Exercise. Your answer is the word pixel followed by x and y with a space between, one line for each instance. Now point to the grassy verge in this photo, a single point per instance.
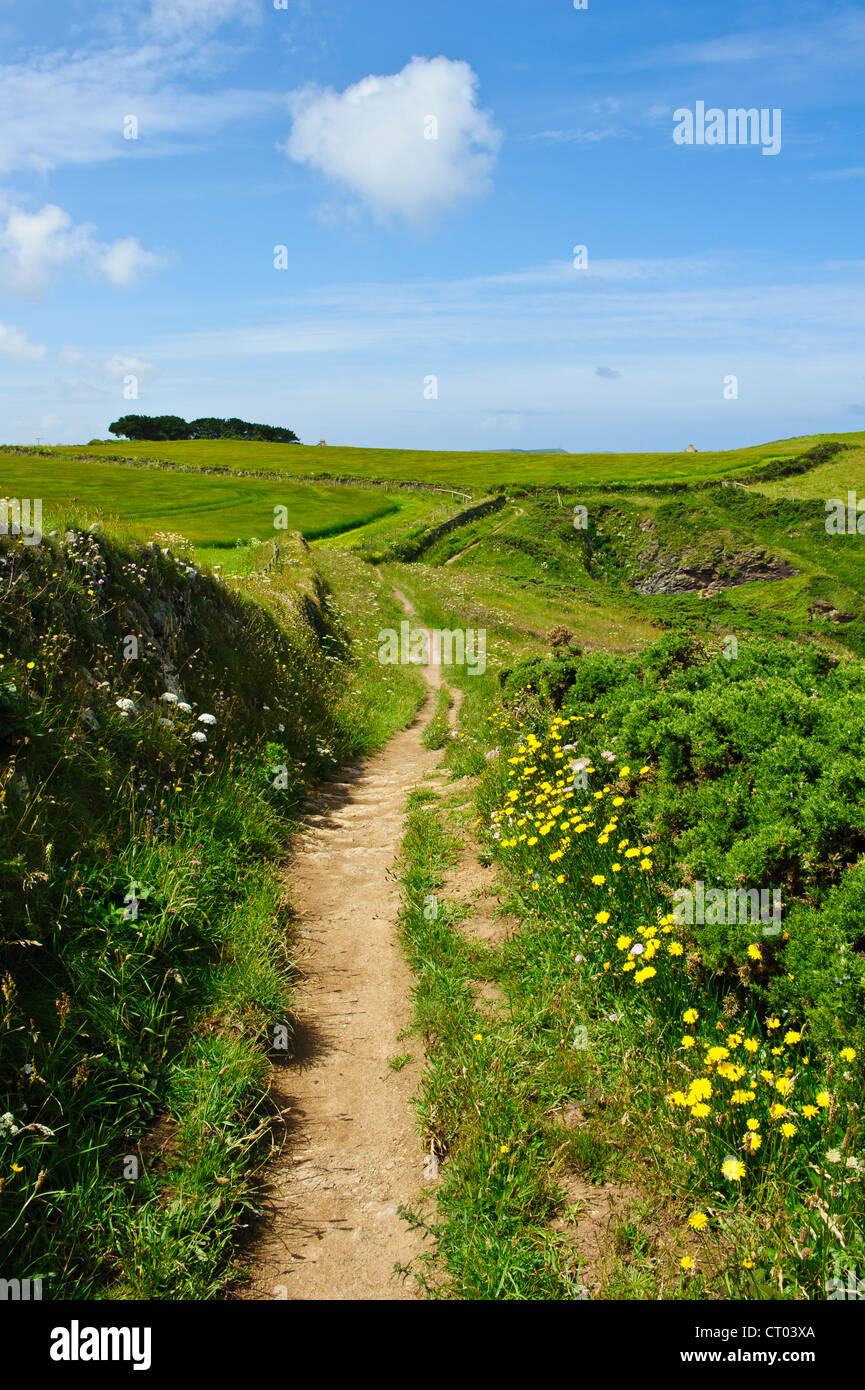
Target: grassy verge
pixel 148 789
pixel 494 1202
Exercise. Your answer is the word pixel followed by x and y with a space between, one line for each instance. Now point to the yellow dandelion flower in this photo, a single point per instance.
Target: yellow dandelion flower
pixel 733 1169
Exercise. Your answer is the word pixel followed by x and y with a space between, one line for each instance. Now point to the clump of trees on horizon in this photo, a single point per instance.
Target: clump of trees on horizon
pixel 159 427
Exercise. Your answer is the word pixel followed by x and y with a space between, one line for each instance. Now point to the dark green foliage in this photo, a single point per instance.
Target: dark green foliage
pixel 802 463
pixel 758 783
pixel 166 427
pixel 155 427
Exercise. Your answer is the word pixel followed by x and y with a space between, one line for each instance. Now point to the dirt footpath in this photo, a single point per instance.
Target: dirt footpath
pixel 352 1154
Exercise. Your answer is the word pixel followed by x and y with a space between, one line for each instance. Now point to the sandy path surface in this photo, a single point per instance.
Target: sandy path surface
pixel 352 1154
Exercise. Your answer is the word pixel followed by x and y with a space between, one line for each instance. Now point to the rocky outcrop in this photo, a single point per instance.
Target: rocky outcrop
pixel 678 575
pixel 822 608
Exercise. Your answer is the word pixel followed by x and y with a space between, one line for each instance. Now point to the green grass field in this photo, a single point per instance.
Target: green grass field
pixel 207 510
pixel 476 471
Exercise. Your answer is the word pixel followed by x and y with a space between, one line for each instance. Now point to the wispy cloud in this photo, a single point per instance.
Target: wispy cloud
pixel 623 309
pixel 69 108
pixel 15 343
pixel 827 40
pixel 856 171
pixel 170 18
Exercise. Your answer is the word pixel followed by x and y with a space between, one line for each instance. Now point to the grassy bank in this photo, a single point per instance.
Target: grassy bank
pixel 159 728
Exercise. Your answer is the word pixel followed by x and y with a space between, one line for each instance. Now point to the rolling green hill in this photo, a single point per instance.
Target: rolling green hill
pixel 477 471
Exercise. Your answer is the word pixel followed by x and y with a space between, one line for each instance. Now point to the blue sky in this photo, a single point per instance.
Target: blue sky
pixel 408 257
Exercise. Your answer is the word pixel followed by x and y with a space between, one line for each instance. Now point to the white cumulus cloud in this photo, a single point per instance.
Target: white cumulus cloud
pixel 413 144
pixel 15 343
pixel 35 245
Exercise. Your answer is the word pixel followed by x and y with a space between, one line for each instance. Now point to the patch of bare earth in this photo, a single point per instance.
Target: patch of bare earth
pixel 351 1155
pixel 594 1211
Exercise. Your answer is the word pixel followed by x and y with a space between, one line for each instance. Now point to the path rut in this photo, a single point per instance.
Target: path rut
pixel 351 1155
